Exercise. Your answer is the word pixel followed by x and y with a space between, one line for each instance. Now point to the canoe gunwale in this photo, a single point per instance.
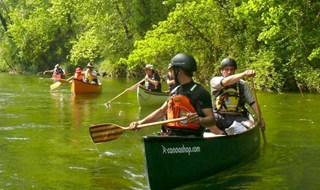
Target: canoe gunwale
pixel 180 138
pixel 154 93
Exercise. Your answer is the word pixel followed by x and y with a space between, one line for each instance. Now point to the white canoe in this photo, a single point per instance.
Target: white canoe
pixel 147 98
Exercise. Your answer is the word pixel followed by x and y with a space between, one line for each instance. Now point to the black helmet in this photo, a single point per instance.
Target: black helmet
pixel 185 62
pixel 228 62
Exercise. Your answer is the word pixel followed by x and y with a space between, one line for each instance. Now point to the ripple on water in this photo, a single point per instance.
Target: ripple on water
pixel 4 99
pixel 107 153
pixel 17 138
pixel 11 116
pixel 77 168
pixel 24 126
pixel 133 175
pixel 136 178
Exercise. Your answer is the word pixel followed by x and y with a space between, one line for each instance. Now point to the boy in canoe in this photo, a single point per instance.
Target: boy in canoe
pixel 151 81
pixel 188 99
pixel 57 73
pixel 78 75
pixel 230 94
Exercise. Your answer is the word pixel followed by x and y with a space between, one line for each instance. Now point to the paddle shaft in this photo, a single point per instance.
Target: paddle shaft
pixel 160 122
pixel 108 132
pixel 125 91
pixel 259 111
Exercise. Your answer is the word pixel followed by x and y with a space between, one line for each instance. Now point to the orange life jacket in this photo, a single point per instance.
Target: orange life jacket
pixel 79 77
pixel 179 106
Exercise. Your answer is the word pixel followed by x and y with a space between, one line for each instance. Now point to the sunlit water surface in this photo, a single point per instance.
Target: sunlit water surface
pixel 45 143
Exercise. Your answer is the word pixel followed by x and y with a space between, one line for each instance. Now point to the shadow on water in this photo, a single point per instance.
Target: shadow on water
pixel 241 176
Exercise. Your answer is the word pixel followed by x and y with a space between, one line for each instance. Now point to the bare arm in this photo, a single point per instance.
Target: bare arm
pixel 236 77
pixel 170 82
pixel 48 71
pixel 154 82
pixel 206 121
pixel 154 116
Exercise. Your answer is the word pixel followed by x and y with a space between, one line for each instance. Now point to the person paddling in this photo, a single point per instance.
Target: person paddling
pixel 151 81
pixel 78 75
pixel 90 75
pixel 230 94
pixel 57 73
pixel 187 99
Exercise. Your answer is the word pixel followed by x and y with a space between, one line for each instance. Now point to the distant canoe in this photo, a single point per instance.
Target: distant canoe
pixel 57 77
pixel 147 98
pixel 175 161
pixel 79 87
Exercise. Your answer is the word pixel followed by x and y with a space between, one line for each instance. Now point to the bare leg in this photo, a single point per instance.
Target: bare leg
pixel 248 123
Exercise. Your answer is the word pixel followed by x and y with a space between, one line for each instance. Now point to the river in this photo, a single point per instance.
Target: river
pixel 45 143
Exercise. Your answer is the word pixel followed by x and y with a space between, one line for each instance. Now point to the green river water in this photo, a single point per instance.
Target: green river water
pixel 45 143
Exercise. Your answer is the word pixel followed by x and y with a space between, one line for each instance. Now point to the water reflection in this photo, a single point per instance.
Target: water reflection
pixel 58 99
pixel 82 108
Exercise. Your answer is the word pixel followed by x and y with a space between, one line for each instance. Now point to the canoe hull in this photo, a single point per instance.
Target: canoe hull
pixel 57 77
pixel 175 161
pixel 147 98
pixel 79 87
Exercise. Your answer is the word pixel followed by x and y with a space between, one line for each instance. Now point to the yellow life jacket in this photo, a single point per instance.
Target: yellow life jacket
pixel 230 99
pixel 88 76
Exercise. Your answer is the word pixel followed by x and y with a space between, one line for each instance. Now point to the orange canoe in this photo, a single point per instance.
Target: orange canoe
pixel 79 87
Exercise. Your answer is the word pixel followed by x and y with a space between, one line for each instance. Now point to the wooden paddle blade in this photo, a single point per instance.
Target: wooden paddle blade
pixel 55 85
pixel 105 132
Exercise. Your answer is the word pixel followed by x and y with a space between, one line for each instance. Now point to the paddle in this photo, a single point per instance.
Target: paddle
pixel 126 90
pixel 57 84
pixel 108 131
pixel 259 112
pixel 66 80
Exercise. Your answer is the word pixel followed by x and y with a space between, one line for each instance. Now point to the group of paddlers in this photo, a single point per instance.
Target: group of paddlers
pixel 187 98
pixel 231 94
pixel 89 75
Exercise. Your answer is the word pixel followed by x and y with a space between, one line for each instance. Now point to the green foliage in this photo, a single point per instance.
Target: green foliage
pixel 183 31
pixel 277 38
pixel 288 29
pixel 75 32
pixel 85 48
pixel 268 78
pixel 6 51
